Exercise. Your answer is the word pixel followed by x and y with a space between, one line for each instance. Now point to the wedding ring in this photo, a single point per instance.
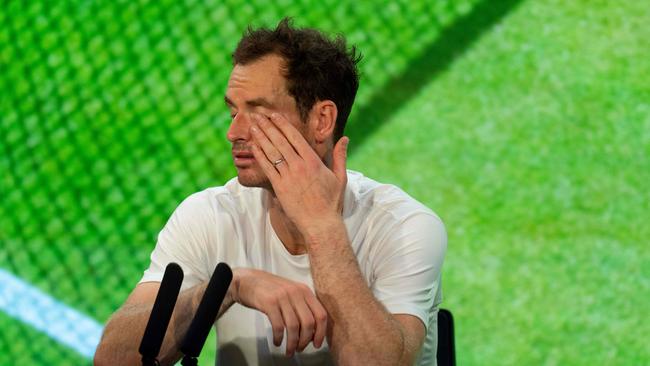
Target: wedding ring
pixel 275 163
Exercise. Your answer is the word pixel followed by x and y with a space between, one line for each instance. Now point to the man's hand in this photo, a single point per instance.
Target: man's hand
pixel 307 189
pixel 287 304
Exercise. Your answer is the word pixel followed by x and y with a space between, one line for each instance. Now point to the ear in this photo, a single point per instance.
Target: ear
pixel 324 114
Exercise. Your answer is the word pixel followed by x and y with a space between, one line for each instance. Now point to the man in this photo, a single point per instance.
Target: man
pixel 330 267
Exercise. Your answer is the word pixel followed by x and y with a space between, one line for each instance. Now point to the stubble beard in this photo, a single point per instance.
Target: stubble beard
pixel 253 177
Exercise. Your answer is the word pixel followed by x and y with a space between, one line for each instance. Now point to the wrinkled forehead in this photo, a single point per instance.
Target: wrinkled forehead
pixel 262 76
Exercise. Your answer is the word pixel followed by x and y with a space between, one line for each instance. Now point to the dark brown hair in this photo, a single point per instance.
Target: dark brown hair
pixel 316 66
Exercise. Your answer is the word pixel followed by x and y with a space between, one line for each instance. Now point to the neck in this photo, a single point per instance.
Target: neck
pixel 284 228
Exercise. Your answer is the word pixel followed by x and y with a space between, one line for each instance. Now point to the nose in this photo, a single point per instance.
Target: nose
pixel 239 128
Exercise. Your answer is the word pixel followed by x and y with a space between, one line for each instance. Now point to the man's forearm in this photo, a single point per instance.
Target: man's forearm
pixel 119 344
pixel 363 331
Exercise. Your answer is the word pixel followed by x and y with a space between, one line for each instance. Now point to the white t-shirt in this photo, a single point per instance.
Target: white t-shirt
pixel 399 244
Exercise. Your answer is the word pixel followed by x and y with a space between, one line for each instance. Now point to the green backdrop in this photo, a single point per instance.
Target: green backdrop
pixel 524 124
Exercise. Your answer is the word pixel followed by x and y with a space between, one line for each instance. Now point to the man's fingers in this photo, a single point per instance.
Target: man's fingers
pixel 307 322
pixel 278 140
pixel 265 164
pixel 339 159
pixel 320 317
pixel 292 325
pixel 290 306
pixel 277 324
pixel 272 154
pixel 294 136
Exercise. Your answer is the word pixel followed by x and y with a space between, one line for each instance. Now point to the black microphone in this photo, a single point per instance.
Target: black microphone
pixel 206 314
pixel 161 313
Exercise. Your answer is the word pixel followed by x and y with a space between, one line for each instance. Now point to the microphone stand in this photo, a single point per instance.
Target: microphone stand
pixel 148 361
pixel 161 313
pixel 206 314
pixel 189 361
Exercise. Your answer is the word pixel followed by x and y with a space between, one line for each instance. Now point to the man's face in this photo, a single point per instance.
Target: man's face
pixel 257 87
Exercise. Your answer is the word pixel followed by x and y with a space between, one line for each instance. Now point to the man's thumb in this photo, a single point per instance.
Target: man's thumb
pixel 340 157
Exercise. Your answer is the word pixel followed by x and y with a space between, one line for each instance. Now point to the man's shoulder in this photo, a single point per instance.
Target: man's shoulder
pixel 366 194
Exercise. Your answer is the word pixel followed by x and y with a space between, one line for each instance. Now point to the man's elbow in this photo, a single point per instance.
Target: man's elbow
pixel 408 359
pixel 104 356
pixel 101 357
pixel 110 353
pixel 380 356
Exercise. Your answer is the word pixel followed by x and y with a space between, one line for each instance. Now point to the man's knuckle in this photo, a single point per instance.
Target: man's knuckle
pixel 321 316
pixel 292 325
pixel 299 169
pixel 271 301
pixel 286 290
pixel 295 291
pixel 309 325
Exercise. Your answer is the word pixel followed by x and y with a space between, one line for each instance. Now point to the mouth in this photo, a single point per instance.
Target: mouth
pixel 243 158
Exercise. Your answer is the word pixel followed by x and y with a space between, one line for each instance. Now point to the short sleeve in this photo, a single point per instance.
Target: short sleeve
pixel 184 240
pixel 408 265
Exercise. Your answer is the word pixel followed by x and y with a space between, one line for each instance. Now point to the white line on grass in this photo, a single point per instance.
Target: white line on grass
pixel 60 322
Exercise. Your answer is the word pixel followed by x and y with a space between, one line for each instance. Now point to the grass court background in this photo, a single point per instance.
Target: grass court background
pixel 524 124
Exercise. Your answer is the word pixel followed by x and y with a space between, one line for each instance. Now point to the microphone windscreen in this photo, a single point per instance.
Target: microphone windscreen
pixel 161 312
pixel 207 311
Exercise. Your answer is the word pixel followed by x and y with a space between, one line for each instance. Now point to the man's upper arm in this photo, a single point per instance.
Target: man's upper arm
pixel 408 276
pixel 186 239
pixel 408 265
pixel 143 293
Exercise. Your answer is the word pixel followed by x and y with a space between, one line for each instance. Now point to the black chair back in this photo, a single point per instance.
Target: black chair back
pixel 446 355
